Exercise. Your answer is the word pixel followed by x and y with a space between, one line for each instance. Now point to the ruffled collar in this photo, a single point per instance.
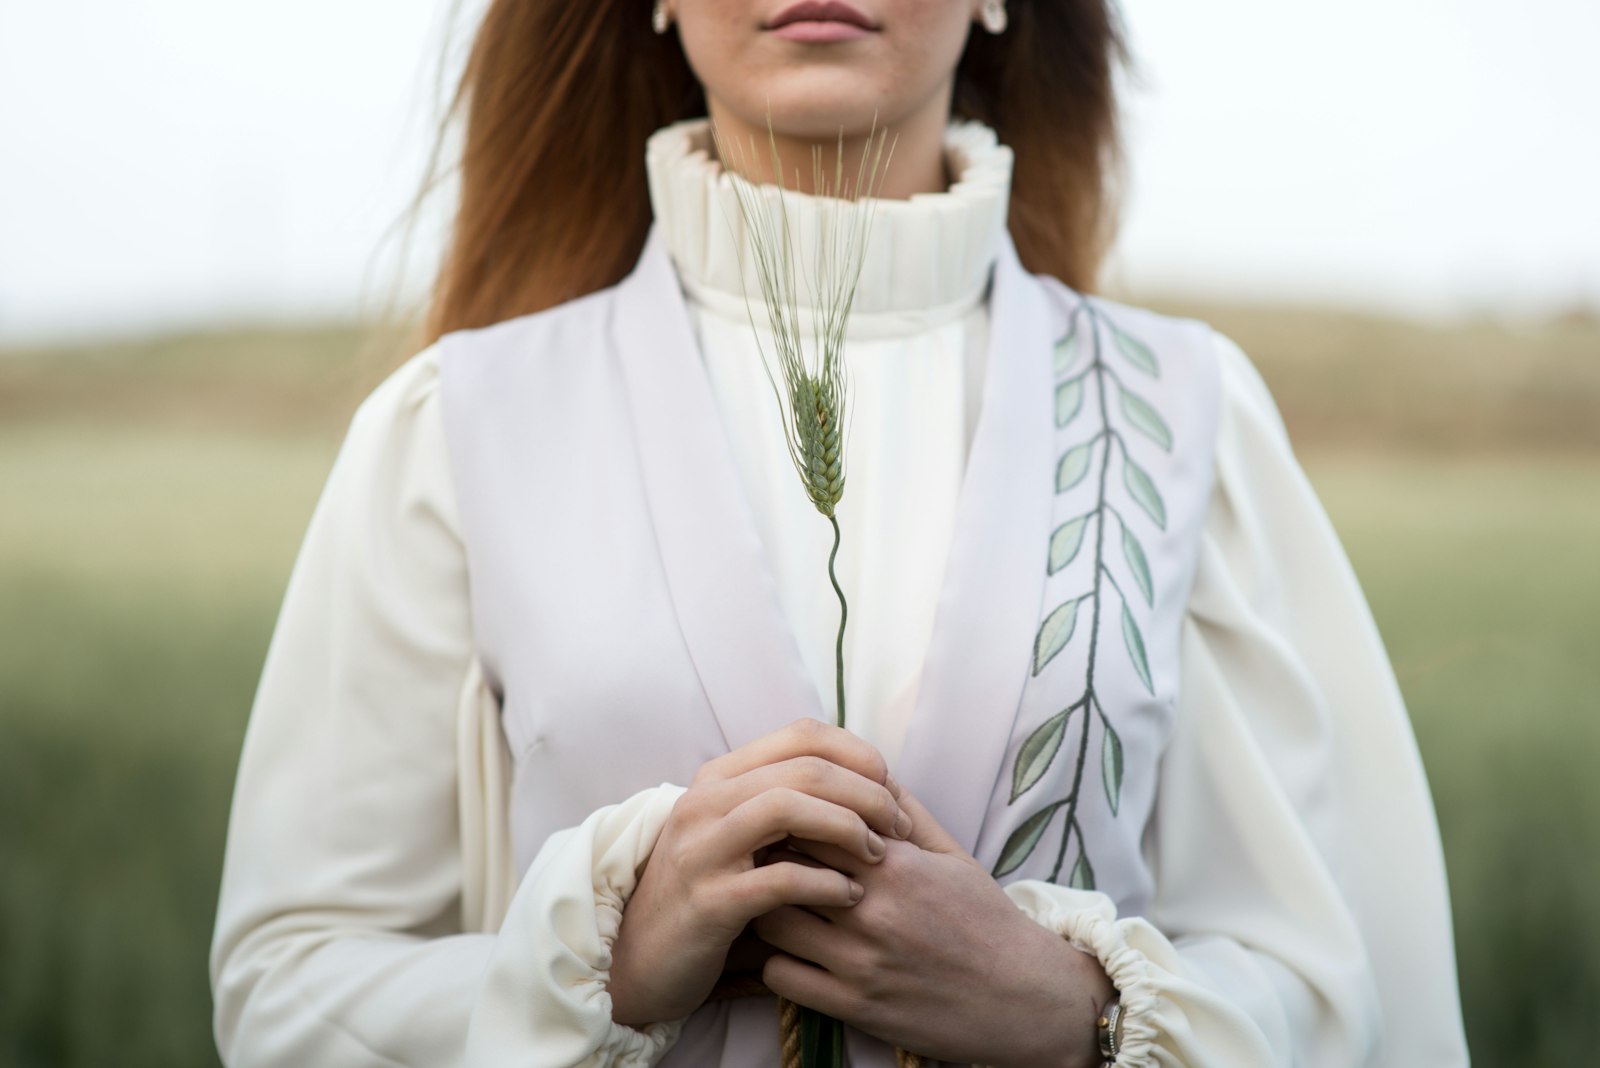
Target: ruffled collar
pixel 928 260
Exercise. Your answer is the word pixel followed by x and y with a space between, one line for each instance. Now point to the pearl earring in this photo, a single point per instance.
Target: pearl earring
pixel 659 18
pixel 994 16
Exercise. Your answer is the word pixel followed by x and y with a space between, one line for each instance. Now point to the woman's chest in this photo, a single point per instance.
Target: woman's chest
pixel 627 608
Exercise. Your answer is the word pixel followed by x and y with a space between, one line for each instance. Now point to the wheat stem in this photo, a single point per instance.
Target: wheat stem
pixel 844 610
pixel 812 402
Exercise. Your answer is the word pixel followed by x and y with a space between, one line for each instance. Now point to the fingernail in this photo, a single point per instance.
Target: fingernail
pixel 889 781
pixel 875 846
pixel 856 890
pixel 902 824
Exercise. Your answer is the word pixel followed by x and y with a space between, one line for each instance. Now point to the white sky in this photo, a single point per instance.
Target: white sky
pixel 178 162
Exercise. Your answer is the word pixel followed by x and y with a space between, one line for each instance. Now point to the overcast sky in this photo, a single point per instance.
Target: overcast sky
pixel 166 163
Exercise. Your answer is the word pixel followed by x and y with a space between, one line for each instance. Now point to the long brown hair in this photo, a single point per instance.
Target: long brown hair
pixel 559 97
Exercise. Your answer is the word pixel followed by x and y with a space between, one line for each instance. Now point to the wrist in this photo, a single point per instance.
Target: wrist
pixel 654 981
pixel 1071 994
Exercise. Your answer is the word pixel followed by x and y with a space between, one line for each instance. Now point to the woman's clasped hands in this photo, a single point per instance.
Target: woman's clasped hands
pixel 707 876
pixel 863 907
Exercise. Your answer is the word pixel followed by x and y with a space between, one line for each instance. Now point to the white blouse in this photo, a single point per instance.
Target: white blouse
pixel 914 355
pixel 376 949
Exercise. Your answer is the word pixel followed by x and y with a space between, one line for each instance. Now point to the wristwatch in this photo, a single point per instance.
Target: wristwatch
pixel 1110 1018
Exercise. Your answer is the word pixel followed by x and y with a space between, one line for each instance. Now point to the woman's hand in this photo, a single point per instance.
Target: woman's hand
pixel 936 959
pixel 709 874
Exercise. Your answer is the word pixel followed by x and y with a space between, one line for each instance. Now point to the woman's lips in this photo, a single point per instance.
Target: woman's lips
pixel 820 21
pixel 819 32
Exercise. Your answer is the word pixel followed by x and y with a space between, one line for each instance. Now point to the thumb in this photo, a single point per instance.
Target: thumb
pixel 925 830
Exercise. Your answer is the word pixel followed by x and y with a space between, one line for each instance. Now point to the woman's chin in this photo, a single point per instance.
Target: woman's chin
pixel 814 105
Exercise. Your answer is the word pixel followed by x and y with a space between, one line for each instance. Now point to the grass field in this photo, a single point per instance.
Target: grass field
pixel 152 496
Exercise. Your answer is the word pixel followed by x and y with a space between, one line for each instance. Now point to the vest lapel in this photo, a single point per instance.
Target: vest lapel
pixel 722 585
pixel 989 607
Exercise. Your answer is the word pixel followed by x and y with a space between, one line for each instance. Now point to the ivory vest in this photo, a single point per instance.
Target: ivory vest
pixel 630 626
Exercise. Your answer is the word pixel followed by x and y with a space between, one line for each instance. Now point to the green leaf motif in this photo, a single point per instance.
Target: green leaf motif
pixel 1145 419
pixel 1111 766
pixel 1082 872
pixel 1135 642
pixel 1023 839
pixel 1133 552
pixel 1065 543
pixel 1138 353
pixel 1073 466
pixel 1054 633
pixel 1143 490
pixel 1067 352
pixel 1069 400
pixel 1037 752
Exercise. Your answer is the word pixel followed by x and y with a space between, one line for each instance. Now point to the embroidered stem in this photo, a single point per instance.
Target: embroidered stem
pixel 1041 747
pixel 1099 370
pixel 838 648
pixel 1066 837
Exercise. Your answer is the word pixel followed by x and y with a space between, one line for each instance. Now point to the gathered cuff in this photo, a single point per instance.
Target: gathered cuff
pixel 546 1001
pixel 1088 920
pixel 623 1046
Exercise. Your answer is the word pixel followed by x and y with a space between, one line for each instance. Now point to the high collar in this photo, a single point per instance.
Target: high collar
pixel 928 258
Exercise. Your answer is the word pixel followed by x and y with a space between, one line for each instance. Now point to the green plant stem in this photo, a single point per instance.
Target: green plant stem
pixel 838 647
pixel 822 1036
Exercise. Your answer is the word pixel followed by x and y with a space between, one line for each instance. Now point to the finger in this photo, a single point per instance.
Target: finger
pixel 804 935
pixel 821 778
pixel 832 913
pixel 774 814
pixel 807 985
pixel 803 737
pixel 927 831
pixel 824 853
pixel 760 890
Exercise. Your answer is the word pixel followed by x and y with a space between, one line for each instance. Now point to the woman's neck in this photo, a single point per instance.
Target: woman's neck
pixel 913 158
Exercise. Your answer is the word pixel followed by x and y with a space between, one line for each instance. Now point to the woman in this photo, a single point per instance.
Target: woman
pixel 540 757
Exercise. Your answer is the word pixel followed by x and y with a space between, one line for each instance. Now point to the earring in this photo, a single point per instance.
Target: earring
pixel 659 18
pixel 994 16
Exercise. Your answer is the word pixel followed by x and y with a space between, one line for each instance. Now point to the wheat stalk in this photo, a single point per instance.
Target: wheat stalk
pixel 813 399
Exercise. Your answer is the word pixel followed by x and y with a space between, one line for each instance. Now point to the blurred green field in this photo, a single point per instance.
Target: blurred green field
pixel 152 496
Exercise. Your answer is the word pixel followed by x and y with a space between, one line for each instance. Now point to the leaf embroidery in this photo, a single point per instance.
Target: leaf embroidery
pixel 1111 766
pixel 1024 838
pixel 1073 466
pixel 1137 353
pixel 1143 490
pixel 1133 552
pixel 1044 744
pixel 1135 643
pixel 1067 351
pixel 1082 873
pixel 1038 751
pixel 1069 400
pixel 1065 542
pixel 1144 418
pixel 1054 633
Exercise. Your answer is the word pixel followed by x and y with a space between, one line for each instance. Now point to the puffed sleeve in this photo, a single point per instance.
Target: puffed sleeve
pixel 353 926
pixel 1300 913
